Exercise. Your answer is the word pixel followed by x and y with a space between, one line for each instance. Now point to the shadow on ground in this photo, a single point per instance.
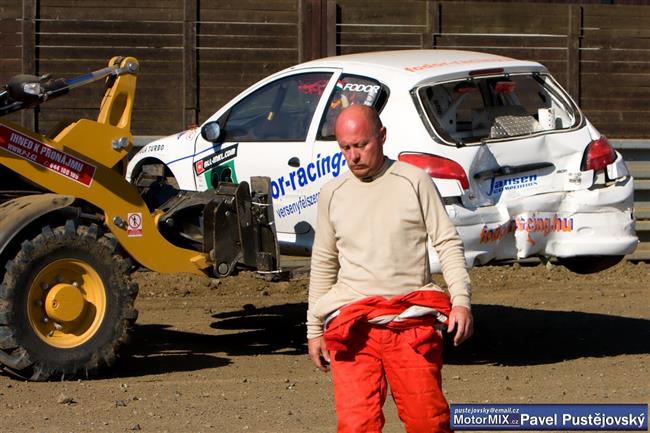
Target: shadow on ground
pixel 519 336
pixel 159 349
pixel 504 336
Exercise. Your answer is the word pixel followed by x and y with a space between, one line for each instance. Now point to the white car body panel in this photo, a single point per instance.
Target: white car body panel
pixel 552 209
pixel 176 152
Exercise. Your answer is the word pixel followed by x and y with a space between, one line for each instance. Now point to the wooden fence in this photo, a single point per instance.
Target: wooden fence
pixel 637 157
pixel 599 53
pixel 195 55
pixel 188 60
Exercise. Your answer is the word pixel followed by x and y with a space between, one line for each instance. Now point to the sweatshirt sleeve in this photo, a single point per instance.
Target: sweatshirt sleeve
pixel 446 242
pixel 324 262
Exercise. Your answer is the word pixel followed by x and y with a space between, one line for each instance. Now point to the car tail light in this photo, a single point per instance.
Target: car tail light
pixel 598 155
pixel 437 166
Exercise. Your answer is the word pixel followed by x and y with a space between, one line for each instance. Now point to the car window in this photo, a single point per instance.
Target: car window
pixel 467 111
pixel 280 111
pixel 350 90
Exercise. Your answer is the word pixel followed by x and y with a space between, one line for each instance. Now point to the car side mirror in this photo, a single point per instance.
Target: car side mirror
pixel 211 131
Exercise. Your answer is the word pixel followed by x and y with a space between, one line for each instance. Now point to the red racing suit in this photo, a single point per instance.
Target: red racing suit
pixel 405 352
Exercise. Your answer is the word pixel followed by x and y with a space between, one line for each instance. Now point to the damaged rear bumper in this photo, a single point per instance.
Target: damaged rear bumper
pixel 597 221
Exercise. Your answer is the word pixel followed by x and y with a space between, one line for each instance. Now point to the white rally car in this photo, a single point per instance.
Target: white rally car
pixel 521 170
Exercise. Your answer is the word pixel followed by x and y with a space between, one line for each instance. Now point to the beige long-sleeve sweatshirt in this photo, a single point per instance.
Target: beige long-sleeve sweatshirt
pixel 371 239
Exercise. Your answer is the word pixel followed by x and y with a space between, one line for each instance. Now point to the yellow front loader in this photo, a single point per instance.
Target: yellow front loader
pixel 72 229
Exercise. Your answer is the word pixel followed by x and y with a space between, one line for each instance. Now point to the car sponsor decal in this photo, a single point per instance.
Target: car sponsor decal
pixel 365 88
pixel 46 156
pixel 497 233
pixel 543 225
pixel 497 186
pixel 453 63
pixel 155 147
pixel 297 206
pixel 215 159
pixel 223 173
pixel 303 176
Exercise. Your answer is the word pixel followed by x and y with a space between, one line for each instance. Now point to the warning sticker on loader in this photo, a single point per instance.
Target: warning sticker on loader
pixel 46 156
pixel 135 224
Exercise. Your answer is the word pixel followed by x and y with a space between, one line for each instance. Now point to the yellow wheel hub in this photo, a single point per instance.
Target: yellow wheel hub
pixel 66 303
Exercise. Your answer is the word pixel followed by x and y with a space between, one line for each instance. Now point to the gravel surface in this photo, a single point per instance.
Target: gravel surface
pixel 230 355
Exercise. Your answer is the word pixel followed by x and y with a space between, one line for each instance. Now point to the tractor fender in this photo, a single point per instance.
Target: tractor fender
pixel 18 213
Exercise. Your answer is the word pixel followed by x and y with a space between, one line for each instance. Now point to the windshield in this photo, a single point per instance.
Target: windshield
pixel 473 110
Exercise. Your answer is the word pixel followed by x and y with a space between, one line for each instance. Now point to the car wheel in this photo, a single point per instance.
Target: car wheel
pixel 156 185
pixel 589 264
pixel 66 304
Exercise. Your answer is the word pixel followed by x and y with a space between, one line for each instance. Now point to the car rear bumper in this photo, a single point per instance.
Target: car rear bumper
pixel 561 224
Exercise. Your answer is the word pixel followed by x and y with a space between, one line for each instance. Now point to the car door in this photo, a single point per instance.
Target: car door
pixel 268 132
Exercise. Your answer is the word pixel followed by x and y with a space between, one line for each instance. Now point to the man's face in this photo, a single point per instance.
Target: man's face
pixel 362 146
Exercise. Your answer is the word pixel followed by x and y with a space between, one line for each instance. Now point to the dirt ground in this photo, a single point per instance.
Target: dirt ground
pixel 230 355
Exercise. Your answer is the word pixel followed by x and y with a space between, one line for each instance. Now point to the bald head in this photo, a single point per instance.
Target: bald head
pixel 355 115
pixel 361 138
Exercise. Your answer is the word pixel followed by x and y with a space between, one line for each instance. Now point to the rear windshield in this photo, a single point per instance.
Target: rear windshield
pixel 477 109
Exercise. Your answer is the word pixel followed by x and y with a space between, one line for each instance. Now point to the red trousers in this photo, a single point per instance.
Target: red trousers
pixel 377 354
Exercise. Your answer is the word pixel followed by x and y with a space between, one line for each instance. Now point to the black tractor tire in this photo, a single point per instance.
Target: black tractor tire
pixel 589 264
pixel 79 262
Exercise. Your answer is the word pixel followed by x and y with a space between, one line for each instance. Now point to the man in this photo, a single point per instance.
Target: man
pixel 371 283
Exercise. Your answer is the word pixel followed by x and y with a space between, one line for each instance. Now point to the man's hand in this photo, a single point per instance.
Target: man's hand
pixel 461 321
pixel 318 353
